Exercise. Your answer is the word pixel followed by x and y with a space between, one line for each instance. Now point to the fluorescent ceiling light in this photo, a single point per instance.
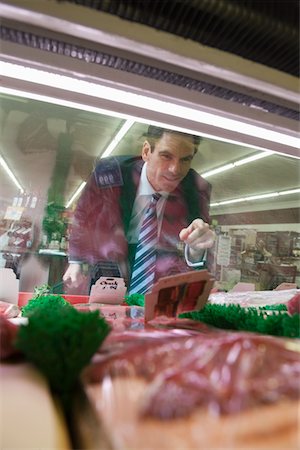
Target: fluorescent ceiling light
pixel 93 109
pixel 128 98
pixel 121 133
pixel 291 191
pixel 237 163
pixel 11 174
pixel 253 158
pixel 217 170
pixel 227 202
pixel 76 193
pixel 256 197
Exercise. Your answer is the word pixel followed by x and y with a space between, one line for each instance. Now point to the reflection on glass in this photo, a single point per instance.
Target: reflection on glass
pixel 50 151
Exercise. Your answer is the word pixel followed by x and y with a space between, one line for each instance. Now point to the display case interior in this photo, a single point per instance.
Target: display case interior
pixel 51 150
pixel 207 358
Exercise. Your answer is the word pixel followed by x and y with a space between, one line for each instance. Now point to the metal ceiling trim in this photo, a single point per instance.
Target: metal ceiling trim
pixel 141 41
pixel 119 63
pixel 227 25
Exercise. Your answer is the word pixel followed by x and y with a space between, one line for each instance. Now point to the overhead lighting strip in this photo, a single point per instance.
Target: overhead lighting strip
pixel 109 149
pixel 76 194
pixel 11 174
pixel 256 197
pixel 237 163
pixel 95 90
pixel 117 138
pixel 97 110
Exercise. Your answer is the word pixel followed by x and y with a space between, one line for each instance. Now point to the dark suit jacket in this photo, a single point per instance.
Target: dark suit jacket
pixel 103 213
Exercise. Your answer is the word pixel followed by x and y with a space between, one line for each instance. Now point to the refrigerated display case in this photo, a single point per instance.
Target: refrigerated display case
pixel 74 72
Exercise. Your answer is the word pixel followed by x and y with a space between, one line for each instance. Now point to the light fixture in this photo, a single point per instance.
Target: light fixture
pixel 227 202
pixel 11 174
pixel 256 197
pixel 76 193
pixel 237 163
pixel 253 158
pixel 291 191
pixel 116 139
pixel 217 170
pixel 92 89
pixel 260 196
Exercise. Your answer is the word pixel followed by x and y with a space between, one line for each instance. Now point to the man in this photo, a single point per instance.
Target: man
pixel 110 212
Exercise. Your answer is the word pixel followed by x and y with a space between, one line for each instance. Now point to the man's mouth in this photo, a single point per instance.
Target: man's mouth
pixel 173 179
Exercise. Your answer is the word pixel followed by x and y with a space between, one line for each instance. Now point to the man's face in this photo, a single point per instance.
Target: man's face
pixel 169 162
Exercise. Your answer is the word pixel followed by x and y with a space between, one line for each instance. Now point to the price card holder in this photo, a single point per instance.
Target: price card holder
pixel 184 292
pixel 109 290
pixel 9 286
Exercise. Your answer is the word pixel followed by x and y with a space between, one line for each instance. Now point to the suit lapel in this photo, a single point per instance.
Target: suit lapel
pixel 131 172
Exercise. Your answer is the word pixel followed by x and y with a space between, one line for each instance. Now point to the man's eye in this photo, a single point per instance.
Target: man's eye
pixel 166 157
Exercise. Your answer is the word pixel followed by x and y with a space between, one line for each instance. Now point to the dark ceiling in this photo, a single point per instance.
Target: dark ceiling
pixel 263 31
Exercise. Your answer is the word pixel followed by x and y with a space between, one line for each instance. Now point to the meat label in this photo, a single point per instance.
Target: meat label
pixel 108 290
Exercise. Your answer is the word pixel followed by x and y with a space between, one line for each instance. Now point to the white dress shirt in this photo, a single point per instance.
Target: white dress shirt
pixel 141 203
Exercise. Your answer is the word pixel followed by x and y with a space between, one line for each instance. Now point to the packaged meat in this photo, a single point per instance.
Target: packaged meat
pixel 8 334
pixel 117 403
pixel 253 298
pixel 180 388
pixel 293 305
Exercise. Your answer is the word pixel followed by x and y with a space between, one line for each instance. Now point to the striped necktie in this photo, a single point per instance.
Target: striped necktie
pixel 145 257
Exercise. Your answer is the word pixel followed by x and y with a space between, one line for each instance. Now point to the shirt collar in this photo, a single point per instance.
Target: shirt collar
pixel 145 188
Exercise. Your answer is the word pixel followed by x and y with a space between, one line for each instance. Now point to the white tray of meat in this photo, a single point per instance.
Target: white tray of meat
pixel 183 389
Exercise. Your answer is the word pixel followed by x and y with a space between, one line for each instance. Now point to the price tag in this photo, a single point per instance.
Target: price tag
pixel 176 294
pixel 108 290
pixel 224 250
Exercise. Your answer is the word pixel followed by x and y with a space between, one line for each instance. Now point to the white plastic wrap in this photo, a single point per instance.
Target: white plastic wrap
pixel 253 298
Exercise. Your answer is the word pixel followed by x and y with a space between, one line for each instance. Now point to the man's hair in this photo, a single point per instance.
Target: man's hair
pixel 155 133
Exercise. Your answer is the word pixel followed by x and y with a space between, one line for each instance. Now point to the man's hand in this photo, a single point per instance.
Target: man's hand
pixel 73 276
pixel 198 236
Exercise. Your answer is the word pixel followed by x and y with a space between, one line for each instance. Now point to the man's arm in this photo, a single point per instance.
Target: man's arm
pixel 80 247
pixel 73 275
pixel 97 229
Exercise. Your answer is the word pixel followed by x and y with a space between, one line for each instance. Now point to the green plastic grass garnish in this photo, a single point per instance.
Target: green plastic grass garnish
pixel 42 300
pixel 60 341
pixel 39 291
pixel 266 320
pixel 135 300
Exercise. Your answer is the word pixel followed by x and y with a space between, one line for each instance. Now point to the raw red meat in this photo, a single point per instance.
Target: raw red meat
pixel 8 334
pixel 224 371
pixel 293 305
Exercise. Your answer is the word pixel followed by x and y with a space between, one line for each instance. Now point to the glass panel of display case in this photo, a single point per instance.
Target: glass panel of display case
pixel 49 152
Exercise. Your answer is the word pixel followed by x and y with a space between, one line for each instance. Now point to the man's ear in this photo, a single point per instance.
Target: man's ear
pixel 146 150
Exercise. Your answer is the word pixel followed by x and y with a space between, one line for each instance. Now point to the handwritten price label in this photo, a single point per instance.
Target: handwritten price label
pixel 108 290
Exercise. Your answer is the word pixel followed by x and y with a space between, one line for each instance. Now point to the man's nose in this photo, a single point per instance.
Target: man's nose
pixel 174 167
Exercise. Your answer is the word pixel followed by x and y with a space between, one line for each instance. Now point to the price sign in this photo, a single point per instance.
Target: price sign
pixel 224 250
pixel 108 290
